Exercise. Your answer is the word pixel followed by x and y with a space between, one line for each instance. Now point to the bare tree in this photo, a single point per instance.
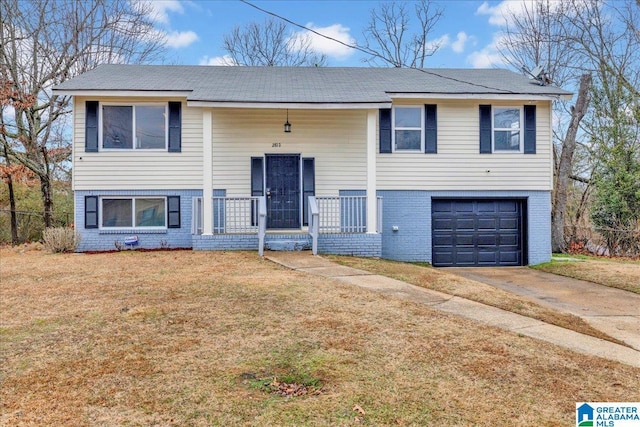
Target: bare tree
pixel 585 44
pixel 45 42
pixel 271 43
pixel 393 41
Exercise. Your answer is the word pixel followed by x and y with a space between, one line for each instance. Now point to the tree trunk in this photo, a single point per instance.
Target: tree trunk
pixel 47 200
pixel 565 164
pixel 12 207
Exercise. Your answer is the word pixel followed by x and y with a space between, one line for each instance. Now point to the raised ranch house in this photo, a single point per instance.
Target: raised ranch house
pixel 448 166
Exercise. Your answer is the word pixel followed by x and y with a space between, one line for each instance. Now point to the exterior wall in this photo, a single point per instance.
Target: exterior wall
pixel 363 245
pixel 458 165
pixel 95 239
pixel 410 211
pixel 337 139
pixel 134 169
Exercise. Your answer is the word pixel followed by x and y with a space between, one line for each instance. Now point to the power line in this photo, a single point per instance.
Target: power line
pixel 367 51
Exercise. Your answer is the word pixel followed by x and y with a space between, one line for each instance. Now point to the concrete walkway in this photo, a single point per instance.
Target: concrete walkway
pixel 612 311
pixel 305 262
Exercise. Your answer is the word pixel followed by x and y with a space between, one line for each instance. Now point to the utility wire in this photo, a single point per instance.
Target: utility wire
pixel 370 52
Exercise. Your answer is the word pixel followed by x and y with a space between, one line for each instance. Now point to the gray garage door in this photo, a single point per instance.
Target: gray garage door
pixel 477 232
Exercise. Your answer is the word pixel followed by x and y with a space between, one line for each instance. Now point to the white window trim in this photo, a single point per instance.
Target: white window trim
pixel 520 129
pixel 133 126
pixel 133 212
pixel 394 128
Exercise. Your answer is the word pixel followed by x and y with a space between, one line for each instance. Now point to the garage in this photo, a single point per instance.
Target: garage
pixel 478 232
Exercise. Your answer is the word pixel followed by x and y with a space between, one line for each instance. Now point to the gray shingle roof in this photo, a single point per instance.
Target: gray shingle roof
pixel 303 84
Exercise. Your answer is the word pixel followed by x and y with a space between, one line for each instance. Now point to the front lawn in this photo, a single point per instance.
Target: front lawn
pixel 187 338
pixel 616 273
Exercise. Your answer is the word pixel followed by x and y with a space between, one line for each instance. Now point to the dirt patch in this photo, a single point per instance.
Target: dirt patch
pixel 163 338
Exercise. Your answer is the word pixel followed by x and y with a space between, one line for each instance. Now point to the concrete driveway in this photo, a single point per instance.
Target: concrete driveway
pixel 613 311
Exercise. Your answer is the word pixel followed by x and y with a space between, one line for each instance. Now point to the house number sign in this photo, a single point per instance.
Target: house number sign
pixel 276 145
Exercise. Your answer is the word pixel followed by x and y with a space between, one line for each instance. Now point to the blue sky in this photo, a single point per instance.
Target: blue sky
pixel 467 31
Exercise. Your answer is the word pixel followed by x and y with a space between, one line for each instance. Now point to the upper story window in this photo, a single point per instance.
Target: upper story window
pixel 408 128
pixel 507 129
pixel 137 127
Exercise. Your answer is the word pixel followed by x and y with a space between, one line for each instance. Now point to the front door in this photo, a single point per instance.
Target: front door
pixel 283 191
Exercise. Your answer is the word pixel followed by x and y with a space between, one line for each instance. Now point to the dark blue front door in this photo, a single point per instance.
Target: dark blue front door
pixel 283 191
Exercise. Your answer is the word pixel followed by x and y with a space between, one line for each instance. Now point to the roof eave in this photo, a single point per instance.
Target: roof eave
pixel 123 93
pixel 480 96
pixel 291 105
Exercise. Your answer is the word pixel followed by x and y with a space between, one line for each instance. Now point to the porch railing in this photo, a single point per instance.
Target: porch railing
pixel 233 215
pixel 314 222
pixel 346 214
pixel 248 215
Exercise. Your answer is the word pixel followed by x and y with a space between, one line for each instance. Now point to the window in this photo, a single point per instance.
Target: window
pixel 407 128
pixel 506 129
pixel 138 127
pixel 133 212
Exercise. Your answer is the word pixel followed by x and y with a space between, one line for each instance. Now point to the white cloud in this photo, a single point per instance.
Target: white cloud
pixel 439 43
pixel 160 9
pixel 488 56
pixel 329 47
pixel 177 39
pixel 461 39
pixel 498 13
pixel 216 60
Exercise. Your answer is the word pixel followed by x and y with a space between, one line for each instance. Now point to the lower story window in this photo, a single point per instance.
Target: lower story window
pixel 134 212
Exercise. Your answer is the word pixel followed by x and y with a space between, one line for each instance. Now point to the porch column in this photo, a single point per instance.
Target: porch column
pixel 372 218
pixel 207 173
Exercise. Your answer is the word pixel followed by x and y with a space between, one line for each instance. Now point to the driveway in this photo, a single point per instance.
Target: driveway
pixel 613 311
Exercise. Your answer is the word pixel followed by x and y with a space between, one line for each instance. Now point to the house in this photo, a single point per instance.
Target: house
pixel 448 166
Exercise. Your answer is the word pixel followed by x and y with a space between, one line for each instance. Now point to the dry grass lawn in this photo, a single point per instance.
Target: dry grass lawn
pixel 439 280
pixel 191 338
pixel 621 274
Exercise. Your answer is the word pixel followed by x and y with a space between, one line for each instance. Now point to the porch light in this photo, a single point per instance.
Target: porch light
pixel 287 125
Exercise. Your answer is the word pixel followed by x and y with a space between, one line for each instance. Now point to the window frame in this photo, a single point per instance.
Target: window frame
pixel 520 129
pixel 133 125
pixel 133 213
pixel 394 128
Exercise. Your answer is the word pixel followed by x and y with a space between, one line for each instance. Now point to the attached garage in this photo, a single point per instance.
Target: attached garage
pixel 478 232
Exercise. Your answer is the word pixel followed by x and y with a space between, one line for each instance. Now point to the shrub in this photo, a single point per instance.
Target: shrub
pixel 60 239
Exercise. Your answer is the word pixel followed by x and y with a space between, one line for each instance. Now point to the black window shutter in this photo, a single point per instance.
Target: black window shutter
pixel 308 186
pixel 91 212
pixel 385 130
pixel 485 129
pixel 257 179
pixel 430 128
pixel 175 127
pixel 529 129
pixel 173 211
pixel 91 127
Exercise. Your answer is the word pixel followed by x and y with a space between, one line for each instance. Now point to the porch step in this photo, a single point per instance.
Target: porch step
pixel 300 242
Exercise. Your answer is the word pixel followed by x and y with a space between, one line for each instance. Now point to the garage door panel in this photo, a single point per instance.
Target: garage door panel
pixel 462 207
pixel 487 240
pixel 486 207
pixel 478 232
pixel 506 206
pixel 509 224
pixel 487 258
pixel 464 240
pixel 487 223
pixel 465 224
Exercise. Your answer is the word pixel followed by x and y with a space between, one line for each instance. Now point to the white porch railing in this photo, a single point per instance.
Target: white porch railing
pixel 346 214
pixel 248 215
pixel 233 215
pixel 314 222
